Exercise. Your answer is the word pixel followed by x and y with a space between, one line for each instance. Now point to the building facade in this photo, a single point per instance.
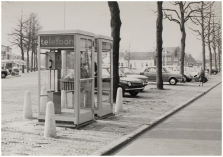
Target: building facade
pixel 6 52
pixel 136 60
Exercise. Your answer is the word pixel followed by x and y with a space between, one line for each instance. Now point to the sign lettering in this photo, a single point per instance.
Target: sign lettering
pixel 57 41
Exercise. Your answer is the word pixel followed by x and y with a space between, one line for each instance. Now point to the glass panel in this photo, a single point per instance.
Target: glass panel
pixel 45 80
pixel 106 75
pixel 86 81
pixel 106 84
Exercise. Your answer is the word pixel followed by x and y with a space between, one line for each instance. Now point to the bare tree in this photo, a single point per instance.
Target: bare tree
pixel 18 37
pixel 115 33
pixel 219 44
pixel 34 40
pixel 28 37
pixel 209 39
pixel 182 17
pixel 200 19
pixel 159 43
pixel 214 44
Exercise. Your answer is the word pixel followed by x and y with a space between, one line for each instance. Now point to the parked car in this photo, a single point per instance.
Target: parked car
pixel 214 71
pixel 5 73
pixel 172 78
pixel 129 73
pixel 176 70
pixel 130 85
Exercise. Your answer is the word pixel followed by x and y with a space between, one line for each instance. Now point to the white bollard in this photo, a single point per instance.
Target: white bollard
pixel 43 99
pixel 27 108
pixel 50 124
pixel 119 101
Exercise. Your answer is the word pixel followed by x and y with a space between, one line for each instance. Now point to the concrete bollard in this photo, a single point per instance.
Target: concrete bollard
pixel 50 124
pixel 43 99
pixel 119 101
pixel 27 108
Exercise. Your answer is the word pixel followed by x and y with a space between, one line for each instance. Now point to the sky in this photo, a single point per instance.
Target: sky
pixel 138 29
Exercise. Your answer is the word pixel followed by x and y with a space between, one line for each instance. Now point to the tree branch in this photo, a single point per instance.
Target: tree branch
pixel 173 11
pixel 169 17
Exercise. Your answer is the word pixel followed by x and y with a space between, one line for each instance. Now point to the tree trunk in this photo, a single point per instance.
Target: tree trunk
pixel 22 53
pixel 203 38
pixel 115 33
pixel 215 58
pixel 219 60
pixel 183 38
pixel 210 56
pixel 27 68
pixel 31 61
pixel 209 43
pixel 159 43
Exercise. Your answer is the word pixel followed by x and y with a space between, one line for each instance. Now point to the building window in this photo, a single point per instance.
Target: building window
pixel 175 59
pixel 122 64
pixel 142 64
pixel 146 64
pixel 169 59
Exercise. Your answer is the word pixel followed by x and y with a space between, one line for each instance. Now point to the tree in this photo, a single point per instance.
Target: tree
pixel 182 17
pixel 28 37
pixel 214 44
pixel 209 40
pixel 219 44
pixel 128 56
pixel 159 43
pixel 200 20
pixel 115 33
pixel 34 40
pixel 18 37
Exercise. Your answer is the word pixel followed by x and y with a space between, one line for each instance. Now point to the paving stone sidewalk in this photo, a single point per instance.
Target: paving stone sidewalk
pixel 25 137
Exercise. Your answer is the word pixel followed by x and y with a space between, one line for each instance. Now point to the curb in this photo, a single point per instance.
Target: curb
pixel 127 138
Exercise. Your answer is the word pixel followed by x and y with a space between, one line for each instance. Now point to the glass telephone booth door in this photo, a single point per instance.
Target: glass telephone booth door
pixel 68 80
pixel 104 76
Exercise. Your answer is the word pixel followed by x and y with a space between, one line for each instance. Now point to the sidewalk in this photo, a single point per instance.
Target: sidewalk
pixel 24 137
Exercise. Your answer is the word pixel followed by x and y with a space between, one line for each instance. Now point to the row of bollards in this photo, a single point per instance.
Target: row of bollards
pixel 50 124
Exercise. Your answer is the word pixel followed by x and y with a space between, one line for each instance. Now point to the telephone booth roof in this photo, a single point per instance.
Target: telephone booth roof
pixel 103 37
pixel 65 32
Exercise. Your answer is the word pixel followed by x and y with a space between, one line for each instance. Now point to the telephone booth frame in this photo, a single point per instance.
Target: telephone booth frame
pixel 104 108
pixel 57 41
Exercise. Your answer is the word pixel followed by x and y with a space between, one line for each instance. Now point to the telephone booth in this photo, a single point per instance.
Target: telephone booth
pixel 68 80
pixel 104 75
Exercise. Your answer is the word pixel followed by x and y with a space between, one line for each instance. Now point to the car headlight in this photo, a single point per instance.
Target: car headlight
pixel 129 83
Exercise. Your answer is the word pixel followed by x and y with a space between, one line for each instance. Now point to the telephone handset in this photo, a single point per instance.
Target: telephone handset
pixel 51 63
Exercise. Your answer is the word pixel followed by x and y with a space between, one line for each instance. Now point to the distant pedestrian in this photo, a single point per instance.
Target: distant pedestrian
pixel 202 77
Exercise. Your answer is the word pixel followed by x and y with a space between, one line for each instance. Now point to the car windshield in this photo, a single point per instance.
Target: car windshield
pixel 127 71
pixel 165 70
pixel 121 73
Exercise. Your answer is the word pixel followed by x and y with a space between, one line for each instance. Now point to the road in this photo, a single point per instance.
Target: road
pixel 195 130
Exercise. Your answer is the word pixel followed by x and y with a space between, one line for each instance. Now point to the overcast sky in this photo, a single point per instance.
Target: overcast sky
pixel 138 30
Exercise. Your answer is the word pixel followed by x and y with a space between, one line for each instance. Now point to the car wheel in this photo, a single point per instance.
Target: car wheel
pixel 3 75
pixel 196 79
pixel 173 81
pixel 214 73
pixel 133 93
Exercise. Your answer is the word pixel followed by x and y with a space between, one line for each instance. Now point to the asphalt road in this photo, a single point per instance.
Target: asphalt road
pixel 195 130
